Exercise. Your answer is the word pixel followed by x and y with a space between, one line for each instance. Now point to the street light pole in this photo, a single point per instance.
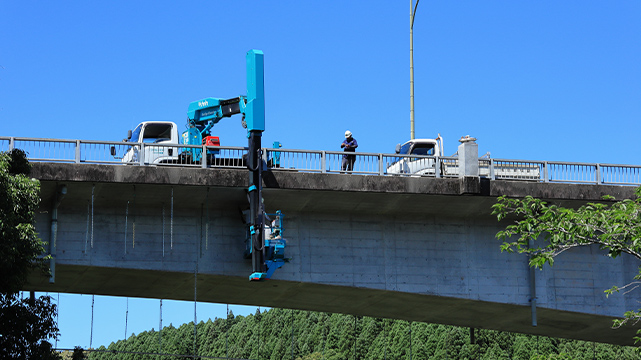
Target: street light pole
pixel 412 13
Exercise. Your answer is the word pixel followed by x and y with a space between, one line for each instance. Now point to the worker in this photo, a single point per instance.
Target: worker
pixel 348 145
pixel 276 230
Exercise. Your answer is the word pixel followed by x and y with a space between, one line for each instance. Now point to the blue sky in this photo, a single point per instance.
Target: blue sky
pixel 113 315
pixel 544 80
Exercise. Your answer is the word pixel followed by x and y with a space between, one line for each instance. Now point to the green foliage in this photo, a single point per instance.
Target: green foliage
pixel 78 354
pixel 19 198
pixel 551 357
pixel 280 334
pixel 614 227
pixel 24 324
pixel 543 231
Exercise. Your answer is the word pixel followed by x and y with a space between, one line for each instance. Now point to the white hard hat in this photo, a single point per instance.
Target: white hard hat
pixel 348 134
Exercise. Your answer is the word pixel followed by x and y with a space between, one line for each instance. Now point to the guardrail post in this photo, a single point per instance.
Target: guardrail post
pixel 203 157
pixel 437 167
pixel 11 143
pixel 492 174
pixel 77 151
pixel 546 167
pixel 380 164
pixel 323 162
pixel 141 156
pixel 598 174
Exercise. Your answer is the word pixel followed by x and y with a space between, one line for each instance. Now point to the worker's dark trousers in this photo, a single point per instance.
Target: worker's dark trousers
pixel 348 163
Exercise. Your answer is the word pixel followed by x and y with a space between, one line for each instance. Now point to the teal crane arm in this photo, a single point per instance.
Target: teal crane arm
pixel 204 114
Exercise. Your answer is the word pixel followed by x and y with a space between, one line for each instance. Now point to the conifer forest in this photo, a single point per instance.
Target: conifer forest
pixel 279 334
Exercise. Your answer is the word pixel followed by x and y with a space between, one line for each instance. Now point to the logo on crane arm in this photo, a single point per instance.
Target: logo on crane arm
pixel 205 113
pixel 203 103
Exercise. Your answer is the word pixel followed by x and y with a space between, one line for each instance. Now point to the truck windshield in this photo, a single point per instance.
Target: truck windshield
pixel 405 149
pixel 423 149
pixel 135 134
pixel 156 133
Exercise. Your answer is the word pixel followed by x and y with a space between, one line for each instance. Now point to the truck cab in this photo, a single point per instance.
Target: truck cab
pixel 419 166
pixel 149 133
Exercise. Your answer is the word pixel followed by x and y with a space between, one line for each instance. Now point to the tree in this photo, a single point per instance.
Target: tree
pixel 25 324
pixel 19 198
pixel 78 354
pixel 379 338
pixel 615 227
pixel 551 357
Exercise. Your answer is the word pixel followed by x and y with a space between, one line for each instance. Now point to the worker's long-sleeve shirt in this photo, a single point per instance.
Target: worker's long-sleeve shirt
pixel 350 146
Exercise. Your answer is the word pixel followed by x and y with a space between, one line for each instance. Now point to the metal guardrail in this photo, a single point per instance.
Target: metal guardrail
pixel 151 154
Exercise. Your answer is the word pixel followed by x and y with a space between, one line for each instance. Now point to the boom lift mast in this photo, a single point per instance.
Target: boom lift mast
pixel 204 114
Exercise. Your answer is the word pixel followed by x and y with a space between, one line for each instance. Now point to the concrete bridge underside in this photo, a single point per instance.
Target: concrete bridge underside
pixel 418 249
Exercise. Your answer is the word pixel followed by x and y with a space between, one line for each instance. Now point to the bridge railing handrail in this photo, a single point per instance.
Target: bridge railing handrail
pixel 328 161
pixel 322 161
pixel 63 140
pixel 107 142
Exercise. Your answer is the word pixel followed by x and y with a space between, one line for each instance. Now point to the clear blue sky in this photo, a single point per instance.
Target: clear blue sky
pixel 113 315
pixel 544 80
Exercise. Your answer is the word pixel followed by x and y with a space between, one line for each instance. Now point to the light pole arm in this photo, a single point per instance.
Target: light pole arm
pixel 413 13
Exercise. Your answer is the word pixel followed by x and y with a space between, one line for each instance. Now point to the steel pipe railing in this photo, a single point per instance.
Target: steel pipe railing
pixel 319 161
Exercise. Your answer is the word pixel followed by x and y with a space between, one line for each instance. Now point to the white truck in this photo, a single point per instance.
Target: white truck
pixel 164 145
pixel 417 165
pixel 431 151
pixel 152 133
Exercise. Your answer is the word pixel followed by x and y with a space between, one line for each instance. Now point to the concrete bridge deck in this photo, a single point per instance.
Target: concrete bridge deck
pixel 419 249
